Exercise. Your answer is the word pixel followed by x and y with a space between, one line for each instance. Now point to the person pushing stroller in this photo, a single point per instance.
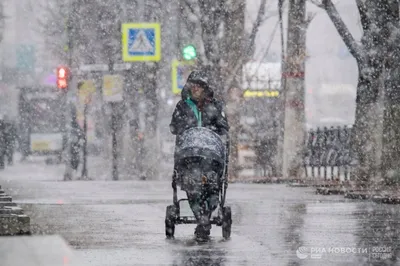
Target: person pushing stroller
pixel 199 108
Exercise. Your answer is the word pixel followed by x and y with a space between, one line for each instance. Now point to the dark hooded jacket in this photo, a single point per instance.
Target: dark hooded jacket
pixel 212 114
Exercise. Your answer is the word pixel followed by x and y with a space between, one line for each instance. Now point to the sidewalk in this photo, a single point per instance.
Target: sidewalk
pixel 380 193
pixel 37 251
pixel 349 189
pixel 35 168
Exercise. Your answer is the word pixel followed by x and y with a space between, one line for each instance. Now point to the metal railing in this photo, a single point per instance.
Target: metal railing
pixel 328 153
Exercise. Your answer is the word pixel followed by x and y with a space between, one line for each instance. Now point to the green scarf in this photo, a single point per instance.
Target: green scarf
pixel 196 112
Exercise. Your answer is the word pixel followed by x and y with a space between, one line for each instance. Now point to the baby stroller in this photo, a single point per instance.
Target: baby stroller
pixel 200 157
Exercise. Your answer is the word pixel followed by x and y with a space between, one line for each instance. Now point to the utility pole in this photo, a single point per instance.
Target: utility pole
pixel 294 120
pixel 281 101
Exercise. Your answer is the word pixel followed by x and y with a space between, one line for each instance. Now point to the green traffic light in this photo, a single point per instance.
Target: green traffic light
pixel 189 52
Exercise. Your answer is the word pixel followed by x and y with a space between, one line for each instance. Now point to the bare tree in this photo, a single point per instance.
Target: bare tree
pixel 215 27
pixel 376 130
pixel 218 27
pixel 96 26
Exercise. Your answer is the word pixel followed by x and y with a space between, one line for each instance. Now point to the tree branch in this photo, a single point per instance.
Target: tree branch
pixel 191 9
pixel 256 26
pixel 317 3
pixel 268 16
pixel 365 22
pixel 310 17
pixel 354 48
pixel 253 34
pixel 201 49
pixel 269 43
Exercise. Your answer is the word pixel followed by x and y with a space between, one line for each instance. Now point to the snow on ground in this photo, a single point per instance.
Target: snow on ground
pixel 120 223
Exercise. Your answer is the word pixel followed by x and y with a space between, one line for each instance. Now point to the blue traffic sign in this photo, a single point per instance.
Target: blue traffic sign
pixel 141 42
pixel 180 73
pixel 26 57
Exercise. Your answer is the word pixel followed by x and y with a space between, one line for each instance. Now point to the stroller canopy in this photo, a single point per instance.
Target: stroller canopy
pixel 200 142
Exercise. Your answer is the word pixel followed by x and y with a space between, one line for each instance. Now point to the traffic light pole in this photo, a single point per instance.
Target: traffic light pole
pixel 84 164
pixel 114 141
pixel 114 130
pixel 68 148
pixel 68 115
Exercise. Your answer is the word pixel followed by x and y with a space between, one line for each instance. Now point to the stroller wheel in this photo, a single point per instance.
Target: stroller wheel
pixel 170 218
pixel 226 222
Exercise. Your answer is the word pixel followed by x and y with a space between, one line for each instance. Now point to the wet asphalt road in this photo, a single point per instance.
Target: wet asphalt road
pixel 122 223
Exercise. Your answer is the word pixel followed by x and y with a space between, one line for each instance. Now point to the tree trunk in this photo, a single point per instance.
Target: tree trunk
pixel 391 143
pixel 294 103
pixel 233 40
pixel 133 101
pixel 235 100
pixel 151 141
pixel 391 122
pixel 377 114
pixel 149 72
pixel 375 138
pixel 367 139
pixel 212 15
pixel 368 126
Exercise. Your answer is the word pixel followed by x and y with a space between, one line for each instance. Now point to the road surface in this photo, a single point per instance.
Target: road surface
pixel 120 223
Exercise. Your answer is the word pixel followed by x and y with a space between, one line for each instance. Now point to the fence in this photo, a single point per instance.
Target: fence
pixel 329 151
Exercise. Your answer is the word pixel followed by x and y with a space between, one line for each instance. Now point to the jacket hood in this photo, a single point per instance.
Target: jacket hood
pixel 185 93
pixel 200 78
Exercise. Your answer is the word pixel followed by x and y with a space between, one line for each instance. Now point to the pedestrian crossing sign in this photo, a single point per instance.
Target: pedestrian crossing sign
pixel 180 73
pixel 141 42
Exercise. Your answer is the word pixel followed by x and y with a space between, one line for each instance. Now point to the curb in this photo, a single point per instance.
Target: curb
pixel 333 190
pixel 271 180
pixel 386 199
pixel 375 196
pixel 298 185
pixel 11 210
pixel 13 221
pixel 364 195
pixel 348 190
pixel 292 182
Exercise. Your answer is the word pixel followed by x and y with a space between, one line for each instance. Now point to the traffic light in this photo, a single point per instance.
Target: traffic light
pixel 62 77
pixel 189 52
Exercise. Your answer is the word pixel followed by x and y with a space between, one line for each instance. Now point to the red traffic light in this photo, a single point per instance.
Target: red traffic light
pixel 62 73
pixel 62 84
pixel 62 77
